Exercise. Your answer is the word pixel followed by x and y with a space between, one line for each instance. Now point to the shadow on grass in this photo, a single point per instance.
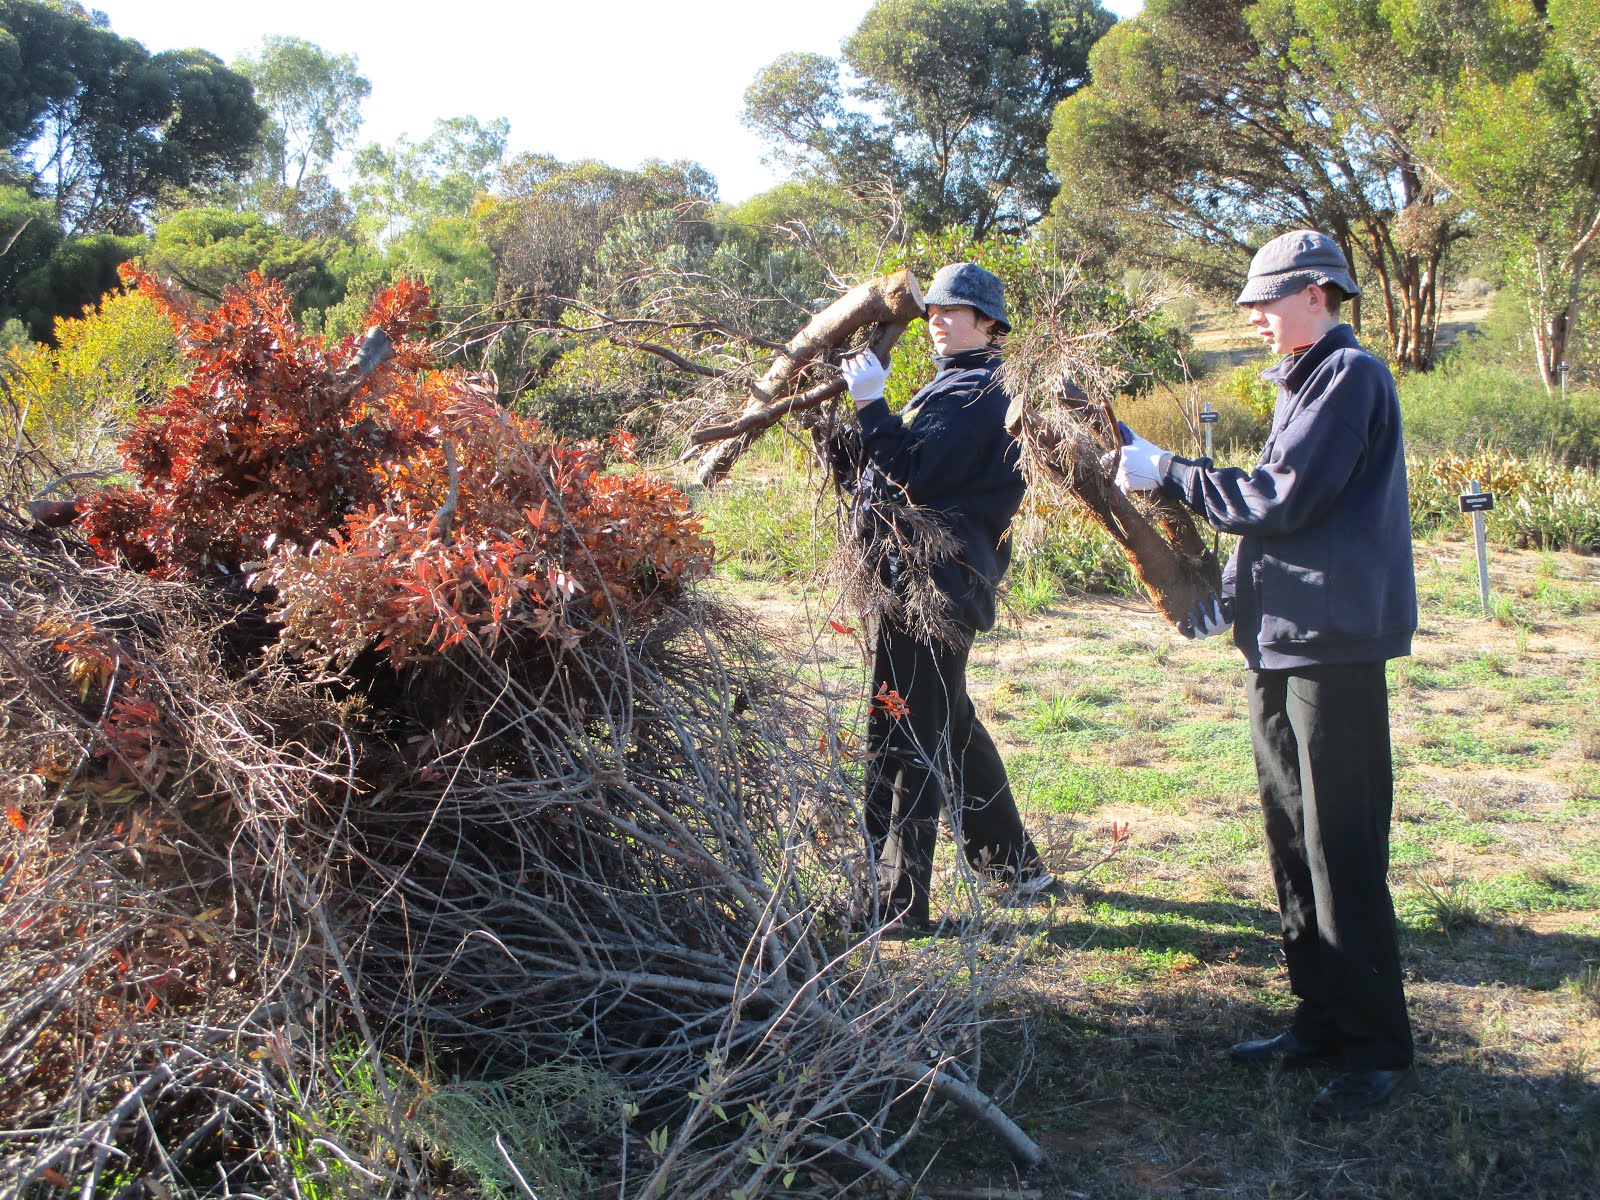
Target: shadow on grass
pixel 1491 951
pixel 1127 1084
pixel 1115 920
pixel 1499 952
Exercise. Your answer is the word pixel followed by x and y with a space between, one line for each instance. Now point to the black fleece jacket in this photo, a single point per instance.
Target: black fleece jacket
pixel 1322 573
pixel 949 451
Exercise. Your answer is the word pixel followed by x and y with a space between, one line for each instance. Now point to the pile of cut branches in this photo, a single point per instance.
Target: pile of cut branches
pixel 435 830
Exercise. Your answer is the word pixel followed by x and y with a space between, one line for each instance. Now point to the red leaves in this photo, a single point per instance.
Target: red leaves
pixel 272 453
pixel 621 445
pixel 544 542
pixel 840 628
pixel 14 815
pixel 890 701
pixel 269 440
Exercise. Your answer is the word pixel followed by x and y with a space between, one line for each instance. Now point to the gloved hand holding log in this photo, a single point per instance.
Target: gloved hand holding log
pixel 1081 448
pixel 888 303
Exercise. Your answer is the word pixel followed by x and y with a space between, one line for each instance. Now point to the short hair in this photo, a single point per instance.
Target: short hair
pixel 1334 296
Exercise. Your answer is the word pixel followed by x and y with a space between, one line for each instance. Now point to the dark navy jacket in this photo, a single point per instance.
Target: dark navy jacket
pixel 949 451
pixel 1322 573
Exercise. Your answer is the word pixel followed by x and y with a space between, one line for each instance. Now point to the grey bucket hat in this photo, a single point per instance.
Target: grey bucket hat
pixel 968 283
pixel 1293 261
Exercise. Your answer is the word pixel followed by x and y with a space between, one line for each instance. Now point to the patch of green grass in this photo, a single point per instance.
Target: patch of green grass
pixel 1031 590
pixel 777 527
pixel 1450 741
pixel 1221 842
pixel 1100 695
pixel 1217 742
pixel 1464 834
pixel 1068 787
pixel 1407 850
pixel 1446 907
pixel 1063 714
pixel 1534 890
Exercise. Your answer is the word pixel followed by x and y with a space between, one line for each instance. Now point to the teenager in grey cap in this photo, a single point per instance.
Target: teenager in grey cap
pixel 1319 593
pixel 948 453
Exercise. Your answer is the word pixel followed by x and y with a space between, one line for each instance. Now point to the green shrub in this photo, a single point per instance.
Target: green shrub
pixel 1245 387
pixel 1540 502
pixel 79 394
pixel 1454 410
pixel 1066 546
pixel 774 517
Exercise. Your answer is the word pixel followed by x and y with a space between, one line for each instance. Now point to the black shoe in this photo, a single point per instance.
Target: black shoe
pixel 1356 1093
pixel 1285 1050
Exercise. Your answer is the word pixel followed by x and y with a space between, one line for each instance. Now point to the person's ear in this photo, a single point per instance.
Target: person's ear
pixel 1317 299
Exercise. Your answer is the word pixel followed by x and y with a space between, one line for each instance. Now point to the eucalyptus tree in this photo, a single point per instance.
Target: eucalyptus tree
pixel 946 103
pixel 1522 148
pixel 1212 124
pixel 313 100
pixel 106 131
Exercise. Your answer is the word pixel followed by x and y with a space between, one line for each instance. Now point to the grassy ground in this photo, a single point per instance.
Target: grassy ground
pixel 1166 954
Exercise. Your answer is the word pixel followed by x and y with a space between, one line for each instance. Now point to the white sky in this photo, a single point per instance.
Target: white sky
pixel 617 80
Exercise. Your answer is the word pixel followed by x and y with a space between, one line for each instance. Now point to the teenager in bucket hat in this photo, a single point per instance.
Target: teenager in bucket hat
pixel 1292 261
pixel 1319 593
pixel 948 454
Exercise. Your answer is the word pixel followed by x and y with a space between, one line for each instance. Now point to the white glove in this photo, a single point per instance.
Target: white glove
pixel 1211 616
pixel 1140 464
pixel 864 375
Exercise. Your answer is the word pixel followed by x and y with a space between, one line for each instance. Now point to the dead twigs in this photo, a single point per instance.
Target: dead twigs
pixel 321 934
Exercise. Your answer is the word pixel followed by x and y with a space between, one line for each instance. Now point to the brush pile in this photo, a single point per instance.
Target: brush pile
pixel 387 814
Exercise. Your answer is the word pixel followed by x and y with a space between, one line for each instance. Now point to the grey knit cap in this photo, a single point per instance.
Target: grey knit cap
pixel 968 283
pixel 1292 262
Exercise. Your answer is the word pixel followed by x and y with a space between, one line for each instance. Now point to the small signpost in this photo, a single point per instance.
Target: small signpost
pixel 1477 502
pixel 1208 418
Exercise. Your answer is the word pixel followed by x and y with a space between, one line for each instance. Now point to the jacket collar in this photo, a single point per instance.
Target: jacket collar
pixel 965 360
pixel 1294 369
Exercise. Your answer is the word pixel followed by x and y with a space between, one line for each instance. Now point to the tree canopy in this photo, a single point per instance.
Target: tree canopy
pixel 313 101
pixel 945 102
pixel 105 130
pixel 1211 124
pixel 1521 146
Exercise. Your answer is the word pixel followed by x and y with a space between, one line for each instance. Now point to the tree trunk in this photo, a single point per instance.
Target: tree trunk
pixel 889 302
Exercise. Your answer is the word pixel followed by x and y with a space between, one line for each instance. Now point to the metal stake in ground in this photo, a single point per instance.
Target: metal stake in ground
pixel 1477 502
pixel 1208 418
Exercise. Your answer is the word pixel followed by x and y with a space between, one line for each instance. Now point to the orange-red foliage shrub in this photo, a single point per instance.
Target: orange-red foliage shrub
pixel 404 511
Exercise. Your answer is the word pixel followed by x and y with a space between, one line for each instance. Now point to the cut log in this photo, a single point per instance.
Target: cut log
pixel 889 302
pixel 1168 553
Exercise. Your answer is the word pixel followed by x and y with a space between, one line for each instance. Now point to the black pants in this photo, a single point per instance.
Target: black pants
pixel 1321 739
pixel 937 757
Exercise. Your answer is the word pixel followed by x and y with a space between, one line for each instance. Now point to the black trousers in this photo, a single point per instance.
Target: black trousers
pixel 1321 739
pixel 936 757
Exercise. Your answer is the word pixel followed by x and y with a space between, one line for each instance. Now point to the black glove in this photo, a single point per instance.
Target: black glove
pixel 1212 615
